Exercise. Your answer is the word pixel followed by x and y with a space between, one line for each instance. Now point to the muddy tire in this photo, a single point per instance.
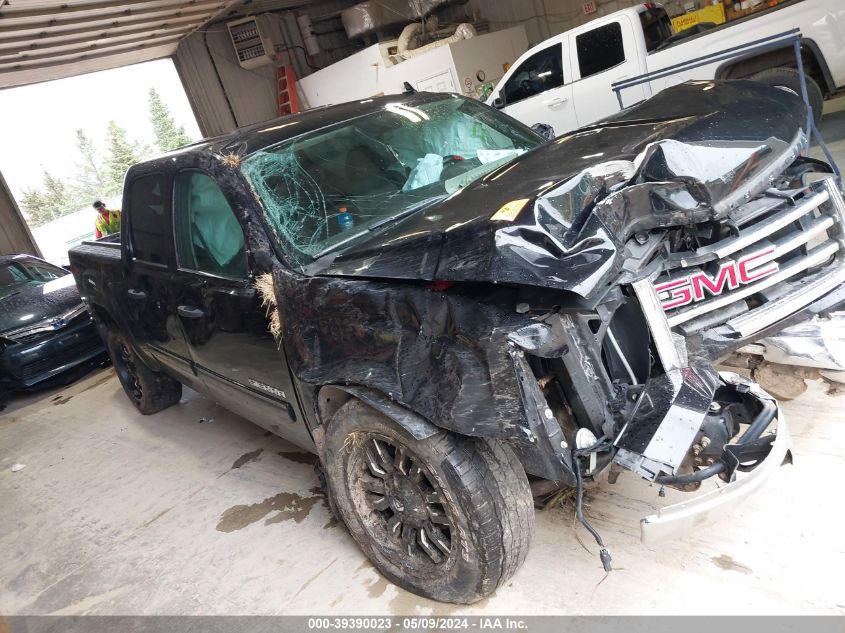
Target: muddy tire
pixel 150 391
pixel 789 79
pixel 447 517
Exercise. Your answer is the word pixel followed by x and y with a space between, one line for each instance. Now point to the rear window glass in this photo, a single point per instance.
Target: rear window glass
pixel 600 49
pixel 657 27
pixel 147 227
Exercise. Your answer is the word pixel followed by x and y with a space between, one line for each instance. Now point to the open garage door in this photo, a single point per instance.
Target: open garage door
pixel 42 40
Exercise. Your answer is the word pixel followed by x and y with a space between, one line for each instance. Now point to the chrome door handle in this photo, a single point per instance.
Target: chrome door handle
pixel 555 101
pixel 190 312
pixel 137 295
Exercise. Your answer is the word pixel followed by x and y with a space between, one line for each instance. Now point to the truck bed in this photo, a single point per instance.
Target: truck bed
pixel 719 41
pixel 96 265
pixel 725 25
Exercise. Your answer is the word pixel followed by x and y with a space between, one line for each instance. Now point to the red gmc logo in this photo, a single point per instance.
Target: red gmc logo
pixel 732 274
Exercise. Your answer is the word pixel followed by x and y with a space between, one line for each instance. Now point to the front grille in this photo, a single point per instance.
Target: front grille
pixel 48 329
pixel 786 249
pixel 65 356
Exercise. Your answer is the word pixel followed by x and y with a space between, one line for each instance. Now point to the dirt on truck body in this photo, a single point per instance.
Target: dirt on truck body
pixel 458 305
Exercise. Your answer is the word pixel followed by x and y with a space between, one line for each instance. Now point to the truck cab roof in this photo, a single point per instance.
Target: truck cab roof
pixel 252 138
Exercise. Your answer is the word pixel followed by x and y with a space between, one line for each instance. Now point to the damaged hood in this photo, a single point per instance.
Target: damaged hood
pixel 34 303
pixel 690 154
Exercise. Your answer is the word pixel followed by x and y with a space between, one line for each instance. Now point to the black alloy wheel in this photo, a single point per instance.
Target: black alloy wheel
pixel 406 505
pixel 445 516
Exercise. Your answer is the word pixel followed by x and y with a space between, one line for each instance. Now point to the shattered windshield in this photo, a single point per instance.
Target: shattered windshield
pixel 324 189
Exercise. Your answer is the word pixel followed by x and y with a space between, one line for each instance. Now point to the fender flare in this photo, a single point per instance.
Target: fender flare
pixel 419 427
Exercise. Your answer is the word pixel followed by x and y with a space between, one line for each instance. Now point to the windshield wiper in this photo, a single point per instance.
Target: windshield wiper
pixel 419 206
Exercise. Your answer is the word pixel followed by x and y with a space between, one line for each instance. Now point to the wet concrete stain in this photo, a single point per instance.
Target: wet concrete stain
pixel 287 505
pixel 406 603
pixel 247 458
pixel 60 399
pixel 378 586
pixel 101 380
pixel 729 564
pixel 299 457
pixel 333 521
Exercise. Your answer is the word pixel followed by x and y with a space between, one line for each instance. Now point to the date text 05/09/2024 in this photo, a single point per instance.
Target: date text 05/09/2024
pixel 417 623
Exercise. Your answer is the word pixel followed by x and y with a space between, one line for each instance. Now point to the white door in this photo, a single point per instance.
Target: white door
pixel 538 91
pixel 600 57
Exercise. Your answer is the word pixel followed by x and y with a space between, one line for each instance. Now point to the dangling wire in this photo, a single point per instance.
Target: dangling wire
pixel 577 453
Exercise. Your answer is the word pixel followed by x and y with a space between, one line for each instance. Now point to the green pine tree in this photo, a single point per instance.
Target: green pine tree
pixel 50 201
pixel 34 206
pixel 168 135
pixel 90 177
pixel 122 154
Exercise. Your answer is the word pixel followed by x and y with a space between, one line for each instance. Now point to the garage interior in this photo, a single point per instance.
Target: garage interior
pixel 198 511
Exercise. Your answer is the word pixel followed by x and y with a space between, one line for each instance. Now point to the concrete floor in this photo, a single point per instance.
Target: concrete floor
pixel 197 511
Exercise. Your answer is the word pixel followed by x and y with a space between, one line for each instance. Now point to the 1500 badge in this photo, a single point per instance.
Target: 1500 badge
pixel 732 274
pixel 268 389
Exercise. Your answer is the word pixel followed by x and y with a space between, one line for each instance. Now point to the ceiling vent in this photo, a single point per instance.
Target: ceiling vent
pixel 251 48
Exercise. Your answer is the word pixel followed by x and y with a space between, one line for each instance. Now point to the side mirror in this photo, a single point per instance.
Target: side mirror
pixel 545 130
pixel 498 103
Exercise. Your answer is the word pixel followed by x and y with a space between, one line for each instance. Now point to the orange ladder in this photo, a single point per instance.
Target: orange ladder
pixel 286 88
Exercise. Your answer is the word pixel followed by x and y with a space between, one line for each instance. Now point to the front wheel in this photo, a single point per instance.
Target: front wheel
pixel 447 517
pixel 150 391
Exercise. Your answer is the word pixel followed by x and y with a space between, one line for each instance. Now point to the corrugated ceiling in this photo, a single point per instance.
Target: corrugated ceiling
pixel 42 40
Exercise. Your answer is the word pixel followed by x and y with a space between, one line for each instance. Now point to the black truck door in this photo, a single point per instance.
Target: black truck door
pixel 147 298
pixel 234 353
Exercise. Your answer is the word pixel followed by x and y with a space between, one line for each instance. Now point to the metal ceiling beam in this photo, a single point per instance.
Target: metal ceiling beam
pixel 50 38
pixel 90 44
pixel 117 13
pixel 70 58
pixel 12 78
pixel 12 12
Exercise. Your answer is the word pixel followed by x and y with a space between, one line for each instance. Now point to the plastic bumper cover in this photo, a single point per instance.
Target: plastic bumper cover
pixel 709 507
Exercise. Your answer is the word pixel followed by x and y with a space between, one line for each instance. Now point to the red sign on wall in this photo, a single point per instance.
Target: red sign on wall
pixel 589 7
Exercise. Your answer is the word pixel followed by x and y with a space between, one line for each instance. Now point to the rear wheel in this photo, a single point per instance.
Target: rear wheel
pixel 447 517
pixel 150 391
pixel 789 79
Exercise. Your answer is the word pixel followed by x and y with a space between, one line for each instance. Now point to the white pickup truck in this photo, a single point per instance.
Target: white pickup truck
pixel 566 81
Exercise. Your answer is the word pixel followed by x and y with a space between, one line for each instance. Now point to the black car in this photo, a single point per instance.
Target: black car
pixel 45 329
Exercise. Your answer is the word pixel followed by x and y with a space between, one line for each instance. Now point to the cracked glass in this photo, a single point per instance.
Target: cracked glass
pixel 324 189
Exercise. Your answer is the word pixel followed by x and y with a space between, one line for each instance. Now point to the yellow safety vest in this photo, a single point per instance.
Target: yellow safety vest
pixel 108 224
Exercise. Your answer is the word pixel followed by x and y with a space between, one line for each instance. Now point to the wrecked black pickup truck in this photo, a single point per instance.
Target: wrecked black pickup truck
pixel 457 307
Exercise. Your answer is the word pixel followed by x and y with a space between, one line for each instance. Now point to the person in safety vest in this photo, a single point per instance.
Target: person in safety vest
pixel 107 221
